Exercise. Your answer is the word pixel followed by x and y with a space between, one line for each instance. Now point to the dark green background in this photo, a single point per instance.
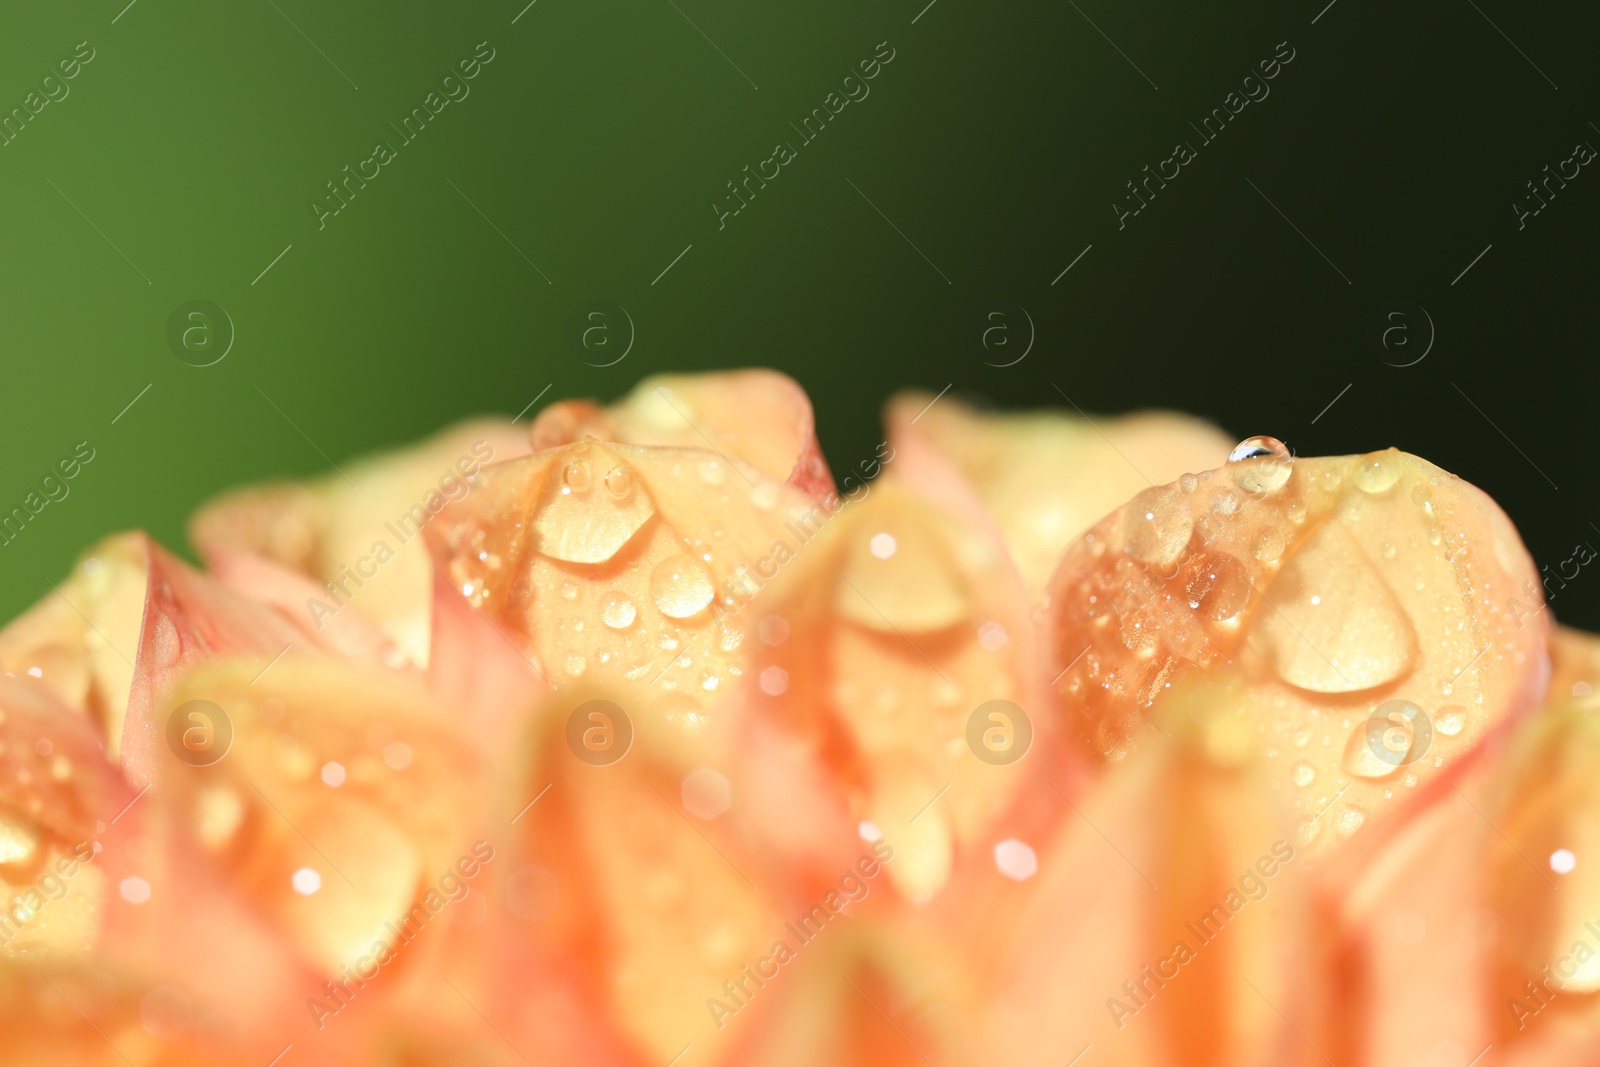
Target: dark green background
pixel 997 141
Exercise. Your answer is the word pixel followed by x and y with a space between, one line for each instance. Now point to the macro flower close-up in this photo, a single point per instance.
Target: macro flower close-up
pixel 684 533
pixel 641 737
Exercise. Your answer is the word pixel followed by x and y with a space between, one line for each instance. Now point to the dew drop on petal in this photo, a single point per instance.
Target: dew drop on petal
pixel 681 587
pixel 1377 472
pixel 619 481
pixel 1253 447
pixel 618 612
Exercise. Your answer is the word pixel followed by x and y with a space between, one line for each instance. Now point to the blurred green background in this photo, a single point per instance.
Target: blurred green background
pixel 985 160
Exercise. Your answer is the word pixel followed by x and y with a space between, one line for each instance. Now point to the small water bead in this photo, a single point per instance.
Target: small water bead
pixel 618 612
pixel 1188 483
pixel 1269 545
pixel 1450 719
pixel 681 587
pixel 1388 550
pixel 1218 586
pixel 1254 447
pixel 1304 774
pixel 619 481
pixel 576 665
pixel 731 640
pixel 569 591
pixel 765 496
pixel 1351 820
pixel 1377 472
pixel 712 472
pixel 576 478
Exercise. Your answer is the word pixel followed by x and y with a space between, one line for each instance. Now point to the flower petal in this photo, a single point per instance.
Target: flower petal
pixel 1047 476
pixel 759 417
pixel 1374 604
pixel 357 529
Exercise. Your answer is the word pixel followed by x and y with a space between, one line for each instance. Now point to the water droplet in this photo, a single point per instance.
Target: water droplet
pixel 681 587
pixel 576 477
pixel 1376 472
pixel 731 639
pixel 765 496
pixel 1270 544
pixel 1304 774
pixel 1382 744
pixel 576 665
pixel 1450 719
pixel 618 612
pixel 1252 447
pixel 1356 637
pixel 1158 527
pixel 569 591
pixel 712 472
pixel 1350 820
pixel 1218 585
pixel 1188 483
pixel 577 526
pixel 619 481
pixel 1388 550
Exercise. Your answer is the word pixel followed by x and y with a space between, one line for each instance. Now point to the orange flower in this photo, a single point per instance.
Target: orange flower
pixel 638 740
